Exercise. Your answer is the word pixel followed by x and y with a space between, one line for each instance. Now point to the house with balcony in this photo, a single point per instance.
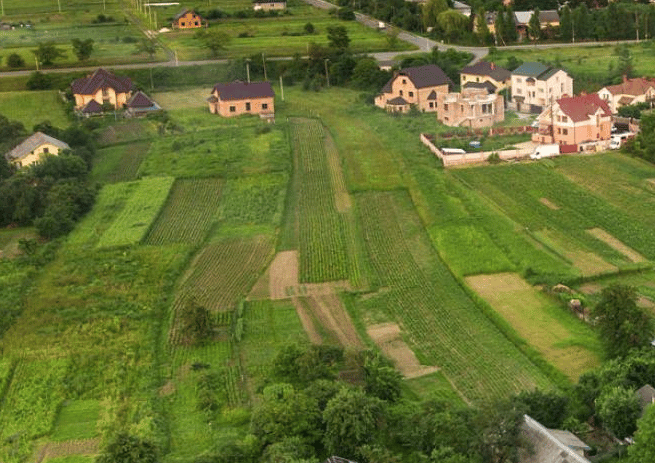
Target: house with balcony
pixel 485 75
pixel 418 86
pixel 630 91
pixel 535 86
pixel 99 88
pixel 474 108
pixel 574 121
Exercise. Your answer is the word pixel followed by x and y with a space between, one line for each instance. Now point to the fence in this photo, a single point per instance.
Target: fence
pixel 471 158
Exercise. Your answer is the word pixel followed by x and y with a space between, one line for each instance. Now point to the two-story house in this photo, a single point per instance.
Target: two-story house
pixel 630 91
pixel 187 19
pixel 417 86
pixel 474 108
pixel 575 120
pixel 485 75
pixel 535 86
pixel 101 87
pixel 237 98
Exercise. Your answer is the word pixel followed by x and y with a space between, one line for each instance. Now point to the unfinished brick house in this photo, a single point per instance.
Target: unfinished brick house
pixel 187 19
pixel 417 86
pixel 474 108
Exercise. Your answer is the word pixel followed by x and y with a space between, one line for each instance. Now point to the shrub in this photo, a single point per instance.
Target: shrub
pixel 39 81
pixel 15 61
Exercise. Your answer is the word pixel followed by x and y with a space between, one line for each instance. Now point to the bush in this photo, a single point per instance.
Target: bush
pixel 129 39
pixel 15 61
pixel 39 81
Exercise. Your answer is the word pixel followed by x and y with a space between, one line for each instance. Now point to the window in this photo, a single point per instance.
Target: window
pixel 565 131
pixel 404 81
pixel 559 130
pixel 477 79
pixel 565 119
pixel 445 108
pixel 401 93
pixel 248 106
pixel 196 23
pixel 46 150
pixel 182 23
pixel 461 108
pixel 264 105
pixel 233 109
pixel 411 93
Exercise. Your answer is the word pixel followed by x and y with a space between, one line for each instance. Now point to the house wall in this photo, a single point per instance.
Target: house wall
pixel 223 108
pixel 189 20
pixel 118 100
pixel 470 109
pixel 465 78
pixel 268 6
pixel 613 100
pixel 567 132
pixel 541 92
pixel 404 87
pixel 37 154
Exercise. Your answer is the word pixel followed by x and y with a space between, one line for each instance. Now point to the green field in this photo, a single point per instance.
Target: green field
pixel 33 107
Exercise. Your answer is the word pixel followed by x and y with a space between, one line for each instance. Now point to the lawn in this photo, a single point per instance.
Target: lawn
pixel 33 107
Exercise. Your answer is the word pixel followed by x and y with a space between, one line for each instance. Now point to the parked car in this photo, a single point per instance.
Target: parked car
pixel 618 139
pixel 545 151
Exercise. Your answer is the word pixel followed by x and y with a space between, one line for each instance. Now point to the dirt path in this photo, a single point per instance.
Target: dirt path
pixel 342 199
pixel 388 338
pixel 617 245
pixel 307 322
pixel 283 275
pixel 548 204
pixel 332 315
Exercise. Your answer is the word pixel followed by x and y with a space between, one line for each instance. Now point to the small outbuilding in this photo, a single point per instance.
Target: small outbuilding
pixel 140 105
pixel 269 5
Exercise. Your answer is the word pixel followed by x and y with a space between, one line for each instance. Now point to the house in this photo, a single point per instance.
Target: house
pixel 646 396
pixel 462 8
pixel 269 5
pixel 630 91
pixel 474 108
pixel 575 120
pixel 535 85
pixel 140 105
pixel 101 87
pixel 547 18
pixel 543 445
pixel 417 86
pixel 236 98
pixel 34 148
pixel 485 75
pixel 187 19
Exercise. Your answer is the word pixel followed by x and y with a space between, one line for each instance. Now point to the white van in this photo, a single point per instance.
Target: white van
pixel 619 138
pixel 545 151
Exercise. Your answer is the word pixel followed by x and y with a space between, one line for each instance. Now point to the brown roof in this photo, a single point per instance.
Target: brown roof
pixel 488 86
pixel 92 107
pixel 242 90
pixel 398 101
pixel 33 142
pixel 579 108
pixel 637 86
pixel 483 68
pixel 140 100
pixel 183 12
pixel 101 79
pixel 429 75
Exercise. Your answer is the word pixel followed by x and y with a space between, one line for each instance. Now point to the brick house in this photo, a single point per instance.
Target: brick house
pixel 99 88
pixel 268 5
pixel 575 120
pixel 474 108
pixel 547 19
pixel 417 86
pixel 535 85
pixel 34 148
pixel 630 91
pixel 485 75
pixel 187 19
pixel 236 98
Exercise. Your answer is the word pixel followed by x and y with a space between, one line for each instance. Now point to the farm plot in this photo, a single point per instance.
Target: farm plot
pixel 30 406
pixel 566 342
pixel 321 229
pixel 77 420
pixel 33 107
pixel 224 151
pixel 442 325
pixel 517 190
pixel 188 213
pixel 253 200
pixel 140 210
pixel 119 163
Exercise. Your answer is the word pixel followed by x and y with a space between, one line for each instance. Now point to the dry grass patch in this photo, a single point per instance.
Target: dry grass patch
pixel 617 245
pixel 549 204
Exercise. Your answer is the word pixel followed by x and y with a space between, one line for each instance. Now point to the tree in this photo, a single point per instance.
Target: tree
pixel 624 66
pixel 499 27
pixel 481 28
pixel 14 60
pixel 5 168
pixel 619 409
pixel 534 25
pixel 511 35
pixel 82 48
pixel 39 81
pixel 367 75
pixel 381 379
pixel 47 53
pixel 566 24
pixel 309 28
pixel 215 40
pixel 452 23
pixel 125 448
pixel 196 323
pixel 338 39
pixel 644 446
pixel 351 420
pixel 431 10
pixel 148 46
pixel 548 408
pixel 622 324
pixel 500 424
pixel 392 37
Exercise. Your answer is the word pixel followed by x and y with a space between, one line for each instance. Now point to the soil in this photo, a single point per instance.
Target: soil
pixel 615 244
pixel 307 322
pixel 71 447
pixel 342 199
pixel 332 315
pixel 283 275
pixel 548 204
pixel 388 337
pixel 590 288
pixel 167 389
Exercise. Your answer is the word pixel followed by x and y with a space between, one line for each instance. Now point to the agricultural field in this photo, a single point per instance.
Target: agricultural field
pixel 119 163
pixel 33 107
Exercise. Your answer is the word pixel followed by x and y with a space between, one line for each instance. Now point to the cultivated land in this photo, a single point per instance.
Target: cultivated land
pixel 335 225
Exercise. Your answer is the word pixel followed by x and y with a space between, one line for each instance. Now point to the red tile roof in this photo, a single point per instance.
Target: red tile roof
pixel 243 90
pixel 101 79
pixel 579 108
pixel 634 87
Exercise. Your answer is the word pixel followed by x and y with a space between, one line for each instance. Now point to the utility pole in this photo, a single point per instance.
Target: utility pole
pixel 282 87
pixel 2 4
pixel 264 62
pixel 58 3
pixel 248 70
pixel 327 75
pixel 36 59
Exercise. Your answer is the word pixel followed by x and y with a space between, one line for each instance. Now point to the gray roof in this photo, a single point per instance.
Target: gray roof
pixel 544 447
pixel 429 75
pixel 32 143
pixel 484 68
pixel 646 395
pixel 488 86
pixel 537 70
pixel 522 18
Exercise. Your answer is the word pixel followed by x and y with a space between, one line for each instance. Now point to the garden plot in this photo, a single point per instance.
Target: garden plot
pixel 331 315
pixel 616 244
pixel 562 339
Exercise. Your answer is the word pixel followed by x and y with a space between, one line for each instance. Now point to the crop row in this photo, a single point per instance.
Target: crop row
pixel 140 210
pixel 441 321
pixel 188 213
pixel 321 234
pixel 254 200
pixel 30 406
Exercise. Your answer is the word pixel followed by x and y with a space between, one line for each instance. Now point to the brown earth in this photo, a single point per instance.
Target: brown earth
pixel 342 199
pixel 590 288
pixel 283 275
pixel 548 204
pixel 617 245
pixel 71 447
pixel 388 338
pixel 330 312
